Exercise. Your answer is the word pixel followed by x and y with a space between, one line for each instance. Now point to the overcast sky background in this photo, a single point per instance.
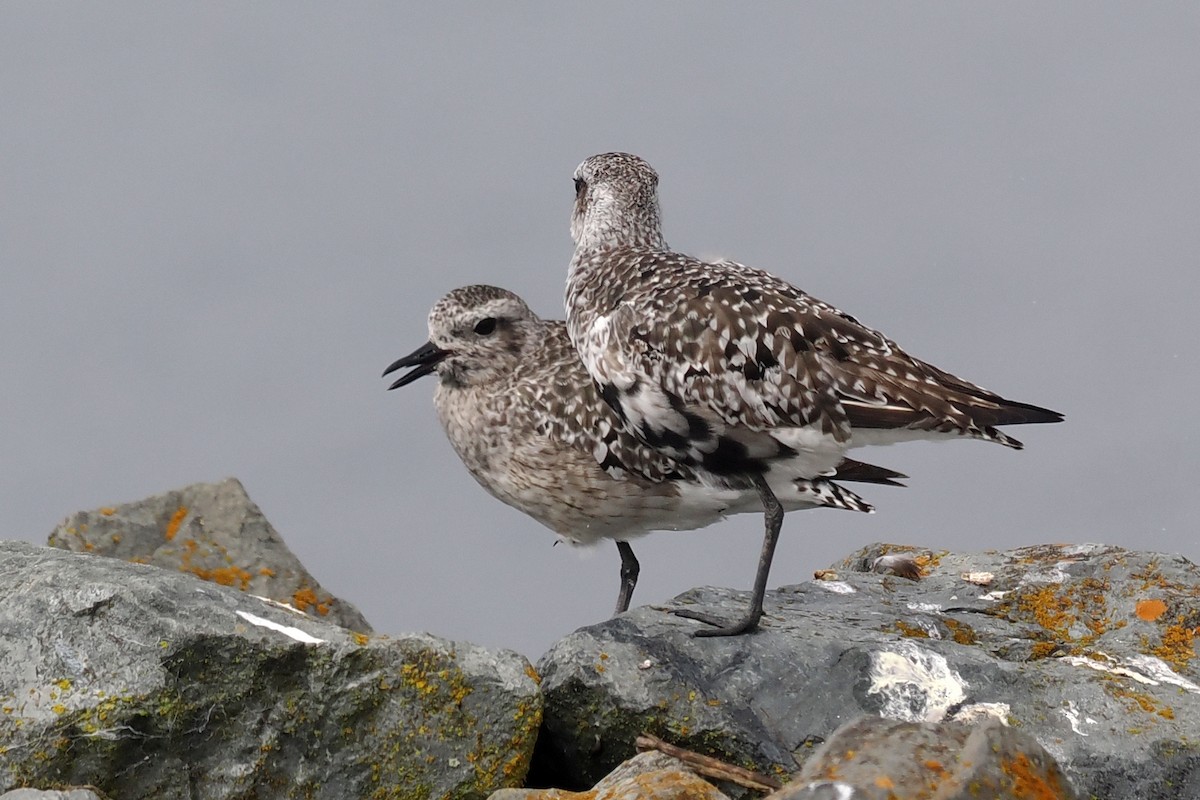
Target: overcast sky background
pixel 220 221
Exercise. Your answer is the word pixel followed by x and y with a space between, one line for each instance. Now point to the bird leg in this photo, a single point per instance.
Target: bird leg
pixel 773 521
pixel 629 576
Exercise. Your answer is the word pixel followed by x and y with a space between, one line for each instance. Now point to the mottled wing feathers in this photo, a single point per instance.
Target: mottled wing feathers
pixel 574 413
pixel 738 347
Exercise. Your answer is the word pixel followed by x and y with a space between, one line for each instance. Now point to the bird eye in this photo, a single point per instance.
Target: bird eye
pixel 485 326
pixel 580 185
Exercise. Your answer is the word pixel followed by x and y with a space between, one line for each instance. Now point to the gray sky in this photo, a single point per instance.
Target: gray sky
pixel 220 221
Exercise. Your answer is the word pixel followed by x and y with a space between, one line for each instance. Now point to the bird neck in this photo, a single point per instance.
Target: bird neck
pixel 608 224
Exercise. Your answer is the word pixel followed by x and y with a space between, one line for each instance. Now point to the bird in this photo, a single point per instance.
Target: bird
pixel 730 369
pixel 532 429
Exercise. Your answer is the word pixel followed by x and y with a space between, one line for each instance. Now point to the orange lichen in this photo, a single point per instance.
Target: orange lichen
pixel 927 562
pixel 533 674
pixel 884 782
pixel 1049 609
pixel 226 576
pixel 1061 609
pixel 961 632
pixel 913 631
pixel 304 597
pixel 176 520
pixel 1150 610
pixel 1042 650
pixel 1030 782
pixel 1137 699
pixel 108 511
pixel 1176 647
pixel 360 638
pixel 266 572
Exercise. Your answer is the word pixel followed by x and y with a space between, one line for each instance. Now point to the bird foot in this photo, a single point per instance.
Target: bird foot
pixel 720 626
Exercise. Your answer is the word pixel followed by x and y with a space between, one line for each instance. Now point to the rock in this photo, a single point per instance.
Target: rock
pixel 1087 648
pixel 877 759
pixel 151 683
pixel 77 793
pixel 213 531
pixel 646 776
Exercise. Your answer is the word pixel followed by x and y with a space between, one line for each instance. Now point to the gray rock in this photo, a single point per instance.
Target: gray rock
pixel 213 531
pixel 78 793
pixel 149 683
pixel 646 776
pixel 1087 648
pixel 877 759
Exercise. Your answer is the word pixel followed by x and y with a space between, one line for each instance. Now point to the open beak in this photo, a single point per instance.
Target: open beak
pixel 423 360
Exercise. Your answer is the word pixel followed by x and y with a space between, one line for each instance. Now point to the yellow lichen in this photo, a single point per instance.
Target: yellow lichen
pixel 913 631
pixel 1042 650
pixel 1176 646
pixel 961 632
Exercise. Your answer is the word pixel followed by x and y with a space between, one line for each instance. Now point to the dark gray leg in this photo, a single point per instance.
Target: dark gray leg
pixel 773 521
pixel 629 576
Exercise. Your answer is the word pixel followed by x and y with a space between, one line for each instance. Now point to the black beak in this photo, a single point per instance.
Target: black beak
pixel 425 359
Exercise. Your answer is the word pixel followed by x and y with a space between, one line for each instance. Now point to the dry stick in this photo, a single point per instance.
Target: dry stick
pixel 709 766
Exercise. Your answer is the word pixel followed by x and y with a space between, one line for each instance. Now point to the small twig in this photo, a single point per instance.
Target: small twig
pixel 709 766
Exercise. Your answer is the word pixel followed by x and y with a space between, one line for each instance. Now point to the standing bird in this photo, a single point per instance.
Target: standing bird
pixel 736 372
pixel 531 428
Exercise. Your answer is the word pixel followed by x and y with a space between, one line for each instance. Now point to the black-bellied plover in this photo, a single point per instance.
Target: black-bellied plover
pixel 531 428
pixel 736 371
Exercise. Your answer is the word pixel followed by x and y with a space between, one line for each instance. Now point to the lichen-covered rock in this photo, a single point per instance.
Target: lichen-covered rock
pixel 646 776
pixel 873 758
pixel 78 793
pixel 149 683
pixel 213 531
pixel 1087 648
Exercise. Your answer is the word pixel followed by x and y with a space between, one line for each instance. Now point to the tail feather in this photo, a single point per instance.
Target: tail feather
pixel 830 495
pixel 862 472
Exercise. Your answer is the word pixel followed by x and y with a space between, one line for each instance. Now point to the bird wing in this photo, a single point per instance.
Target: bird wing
pixel 574 413
pixel 756 353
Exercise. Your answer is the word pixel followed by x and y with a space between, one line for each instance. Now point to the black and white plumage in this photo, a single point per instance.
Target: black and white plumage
pixel 734 370
pixel 532 429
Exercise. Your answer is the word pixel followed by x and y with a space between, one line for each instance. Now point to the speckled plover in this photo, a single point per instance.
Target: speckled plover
pixel 532 429
pixel 735 371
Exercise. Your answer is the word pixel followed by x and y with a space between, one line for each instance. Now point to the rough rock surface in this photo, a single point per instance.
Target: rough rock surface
pixel 149 683
pixel 213 531
pixel 646 776
pixel 1087 648
pixel 878 759
pixel 78 793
